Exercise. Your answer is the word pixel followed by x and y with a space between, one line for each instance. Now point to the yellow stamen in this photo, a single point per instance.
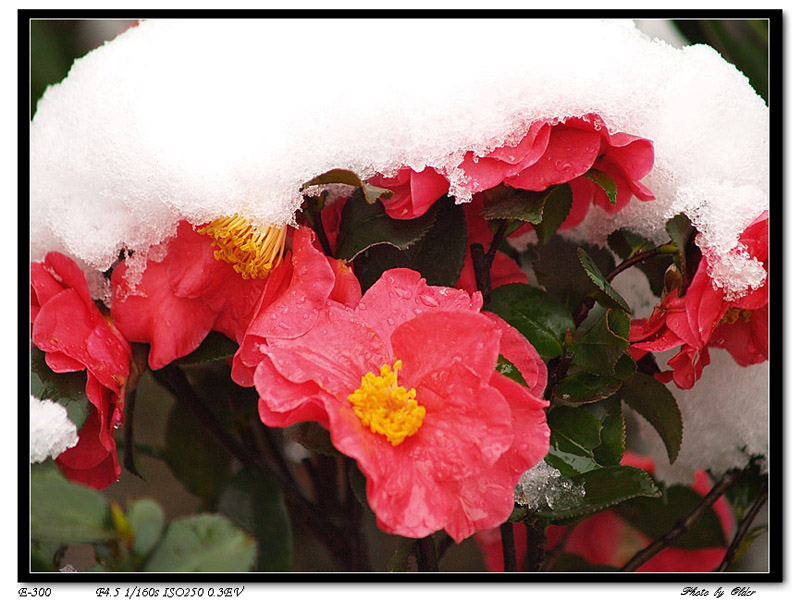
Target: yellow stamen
pixel 733 314
pixel 253 252
pixel 385 407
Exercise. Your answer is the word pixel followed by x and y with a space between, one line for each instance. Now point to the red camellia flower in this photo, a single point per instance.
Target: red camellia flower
pixel 702 318
pixel 550 153
pixel 608 539
pixel 413 192
pixel 406 383
pixel 75 336
pixel 195 289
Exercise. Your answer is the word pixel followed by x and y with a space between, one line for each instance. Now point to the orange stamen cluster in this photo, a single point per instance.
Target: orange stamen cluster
pixel 254 252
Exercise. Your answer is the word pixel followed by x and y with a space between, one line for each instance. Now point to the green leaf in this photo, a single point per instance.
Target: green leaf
pixel 513 203
pixel 214 346
pixel 557 204
pixel 600 344
pixel 744 490
pixel 505 367
pixel 606 487
pixel 605 294
pixel 625 367
pixel 654 402
pixel 612 435
pixel 254 501
pixel 539 317
pixel 560 272
pixel 606 182
pixel 655 517
pixel 69 389
pixel 146 519
pixel 438 256
pixel 203 543
pixel 343 176
pixel 581 387
pixel 198 461
pixel 574 434
pixel 626 244
pixel 65 512
pixel 365 225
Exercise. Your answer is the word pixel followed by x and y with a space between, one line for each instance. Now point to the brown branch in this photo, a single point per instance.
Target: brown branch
pixel 426 555
pixel 509 548
pixel 536 541
pixel 741 531
pixel 558 550
pixel 682 526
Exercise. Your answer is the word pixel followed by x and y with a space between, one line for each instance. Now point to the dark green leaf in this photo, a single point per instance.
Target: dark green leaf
pixel 539 317
pixel 65 512
pixel 254 501
pixel 582 387
pixel 197 460
pixel 512 203
pixel 606 487
pixel 605 294
pixel 600 344
pixel 606 182
pixel 146 519
pixel 569 562
pixel 559 271
pixel 744 490
pixel 365 225
pixel 312 436
pixel 574 434
pixel 438 256
pixel 655 517
pixel 612 436
pixel 214 346
pixel 69 389
pixel 625 367
pixel 505 367
pixel 203 543
pixel 343 176
pixel 557 204
pixel 654 402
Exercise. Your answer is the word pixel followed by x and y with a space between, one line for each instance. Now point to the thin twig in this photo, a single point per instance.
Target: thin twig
pixel 509 548
pixel 741 531
pixel 682 526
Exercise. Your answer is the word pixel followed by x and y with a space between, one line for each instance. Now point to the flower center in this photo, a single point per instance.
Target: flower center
pixel 252 251
pixel 385 407
pixel 733 314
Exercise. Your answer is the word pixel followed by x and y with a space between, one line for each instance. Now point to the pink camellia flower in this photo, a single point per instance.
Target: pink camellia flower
pixel 550 153
pixel 75 336
pixel 414 192
pixel 606 538
pixel 406 383
pixel 702 318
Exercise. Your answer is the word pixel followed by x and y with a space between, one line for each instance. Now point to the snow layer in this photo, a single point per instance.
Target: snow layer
pixel 725 421
pixel 200 118
pixel 52 432
pixel 544 488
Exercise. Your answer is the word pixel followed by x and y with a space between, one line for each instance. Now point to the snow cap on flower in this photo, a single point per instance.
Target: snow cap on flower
pixel 52 432
pixel 200 119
